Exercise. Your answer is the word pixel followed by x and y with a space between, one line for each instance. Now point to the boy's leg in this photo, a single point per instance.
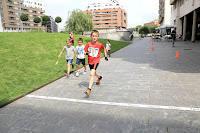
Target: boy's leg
pixel 99 78
pixel 92 74
pixel 68 68
pixel 77 63
pixel 83 62
pixel 97 75
pixel 77 67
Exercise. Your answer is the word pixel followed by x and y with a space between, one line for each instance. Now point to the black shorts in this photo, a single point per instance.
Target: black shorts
pixel 93 66
pixel 79 61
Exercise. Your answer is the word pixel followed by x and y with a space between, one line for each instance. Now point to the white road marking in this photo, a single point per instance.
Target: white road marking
pixel 116 104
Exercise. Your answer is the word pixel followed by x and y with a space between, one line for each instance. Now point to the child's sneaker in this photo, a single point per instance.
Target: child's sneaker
pixel 88 92
pixel 66 74
pixel 98 80
pixel 72 65
pixel 84 72
pixel 77 73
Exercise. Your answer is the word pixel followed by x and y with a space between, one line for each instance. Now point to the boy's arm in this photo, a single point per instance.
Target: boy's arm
pixel 76 52
pixel 86 49
pixel 105 52
pixel 60 54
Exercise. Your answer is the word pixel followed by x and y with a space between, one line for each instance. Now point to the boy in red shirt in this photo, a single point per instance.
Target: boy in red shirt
pixel 93 50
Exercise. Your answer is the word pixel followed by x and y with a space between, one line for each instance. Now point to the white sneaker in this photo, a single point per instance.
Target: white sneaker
pixel 77 73
pixel 84 72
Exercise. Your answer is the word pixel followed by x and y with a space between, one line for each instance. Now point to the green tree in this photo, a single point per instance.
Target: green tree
pixel 37 20
pixel 58 20
pixel 152 28
pixel 79 22
pixel 45 20
pixel 138 27
pixel 144 30
pixel 24 17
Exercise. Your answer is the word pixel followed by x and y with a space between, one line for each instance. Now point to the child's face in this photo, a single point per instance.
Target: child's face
pixel 94 37
pixel 108 42
pixel 80 43
pixel 68 44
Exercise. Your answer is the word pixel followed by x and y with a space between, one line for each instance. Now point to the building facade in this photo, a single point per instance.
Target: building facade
pixel 164 12
pixel 153 23
pixel 108 15
pixel 10 16
pixel 52 26
pixel 186 17
pixel 37 4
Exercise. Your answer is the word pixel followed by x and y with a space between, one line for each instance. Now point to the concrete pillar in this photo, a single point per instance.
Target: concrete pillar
pixel 194 25
pixel 184 28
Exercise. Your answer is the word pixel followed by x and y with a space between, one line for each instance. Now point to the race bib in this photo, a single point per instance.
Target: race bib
pixel 93 51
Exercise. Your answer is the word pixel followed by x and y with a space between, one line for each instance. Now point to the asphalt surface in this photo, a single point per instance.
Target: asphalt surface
pixel 142 91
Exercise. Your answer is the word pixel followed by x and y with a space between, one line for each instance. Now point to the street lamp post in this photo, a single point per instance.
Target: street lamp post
pixel 20 12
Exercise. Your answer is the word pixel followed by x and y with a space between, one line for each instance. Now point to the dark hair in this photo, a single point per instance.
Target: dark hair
pixel 108 40
pixel 80 39
pixel 95 31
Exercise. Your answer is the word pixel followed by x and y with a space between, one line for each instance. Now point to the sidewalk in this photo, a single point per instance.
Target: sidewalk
pixel 138 85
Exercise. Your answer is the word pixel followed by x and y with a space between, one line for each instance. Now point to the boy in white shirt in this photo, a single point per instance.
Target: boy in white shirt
pixel 108 47
pixel 80 56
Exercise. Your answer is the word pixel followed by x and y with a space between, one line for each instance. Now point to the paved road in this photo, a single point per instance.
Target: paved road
pixel 134 79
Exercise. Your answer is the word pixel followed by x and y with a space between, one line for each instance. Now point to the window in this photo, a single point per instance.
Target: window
pixel 124 22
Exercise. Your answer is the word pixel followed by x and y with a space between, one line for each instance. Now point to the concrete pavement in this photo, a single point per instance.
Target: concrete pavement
pixel 133 75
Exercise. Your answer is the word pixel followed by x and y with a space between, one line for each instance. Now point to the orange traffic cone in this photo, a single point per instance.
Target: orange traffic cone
pixel 152 43
pixel 177 54
pixel 149 41
pixel 152 48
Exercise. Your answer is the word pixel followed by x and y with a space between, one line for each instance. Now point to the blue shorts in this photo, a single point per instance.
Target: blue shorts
pixel 69 61
pixel 80 61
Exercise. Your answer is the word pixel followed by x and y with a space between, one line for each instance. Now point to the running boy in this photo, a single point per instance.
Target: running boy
pixel 93 50
pixel 70 50
pixel 108 47
pixel 173 34
pixel 72 38
pixel 80 55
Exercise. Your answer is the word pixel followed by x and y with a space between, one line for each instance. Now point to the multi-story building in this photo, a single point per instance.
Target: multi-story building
pixel 10 16
pixel 186 17
pixel 164 12
pixel 108 15
pixel 153 23
pixel 38 4
pixel 52 26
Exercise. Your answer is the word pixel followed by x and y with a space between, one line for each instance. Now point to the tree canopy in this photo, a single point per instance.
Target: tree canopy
pixel 45 18
pixel 24 17
pixel 58 19
pixel 144 30
pixel 79 22
pixel 37 20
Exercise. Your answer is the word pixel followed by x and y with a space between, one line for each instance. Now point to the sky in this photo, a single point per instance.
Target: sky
pixel 138 11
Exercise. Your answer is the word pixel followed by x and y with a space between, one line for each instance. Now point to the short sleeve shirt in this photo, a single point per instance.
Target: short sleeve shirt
pixel 69 52
pixel 80 50
pixel 108 46
pixel 94 50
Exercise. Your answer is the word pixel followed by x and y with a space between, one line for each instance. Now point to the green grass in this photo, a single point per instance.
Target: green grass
pixel 28 60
